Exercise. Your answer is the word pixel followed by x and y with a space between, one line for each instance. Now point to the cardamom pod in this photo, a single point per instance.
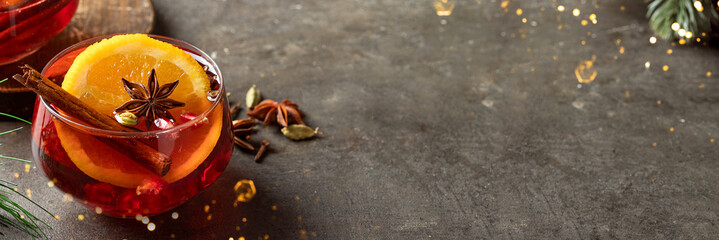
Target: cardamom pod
pixel 127 119
pixel 253 97
pixel 299 132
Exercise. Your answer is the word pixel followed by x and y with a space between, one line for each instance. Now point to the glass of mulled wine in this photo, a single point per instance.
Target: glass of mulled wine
pixel 87 163
pixel 27 25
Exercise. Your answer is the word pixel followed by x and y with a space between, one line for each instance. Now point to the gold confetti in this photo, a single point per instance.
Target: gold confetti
pixel 575 12
pixel 584 22
pixel 209 217
pixel 665 68
pixel 621 50
pixel 585 71
pixel 27 167
pixel 244 219
pixel 659 102
pixel 654 144
pixel 245 190
pixel 29 193
pixel 207 208
pixel 16 175
pixel 709 74
pixel 682 41
pixel 519 12
pixel 669 52
pixel 504 4
pixel 444 7
pixel 80 217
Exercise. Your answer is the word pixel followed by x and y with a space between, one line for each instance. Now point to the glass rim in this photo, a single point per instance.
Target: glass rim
pixel 94 130
pixel 23 6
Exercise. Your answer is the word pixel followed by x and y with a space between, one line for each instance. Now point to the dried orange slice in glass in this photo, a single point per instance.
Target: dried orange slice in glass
pixel 95 77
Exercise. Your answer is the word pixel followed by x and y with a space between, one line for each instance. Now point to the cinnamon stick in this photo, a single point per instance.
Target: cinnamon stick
pixel 138 151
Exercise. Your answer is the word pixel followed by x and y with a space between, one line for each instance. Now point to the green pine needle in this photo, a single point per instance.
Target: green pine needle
pixel 15 117
pixel 1 81
pixel 14 158
pixel 10 131
pixel 663 13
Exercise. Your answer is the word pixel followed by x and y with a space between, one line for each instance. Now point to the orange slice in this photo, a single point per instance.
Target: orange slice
pixel 95 77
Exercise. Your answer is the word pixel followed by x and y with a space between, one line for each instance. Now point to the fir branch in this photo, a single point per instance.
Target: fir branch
pixel 663 13
pixel 16 216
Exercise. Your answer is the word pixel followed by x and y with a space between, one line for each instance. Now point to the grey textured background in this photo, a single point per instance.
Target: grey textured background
pixel 459 127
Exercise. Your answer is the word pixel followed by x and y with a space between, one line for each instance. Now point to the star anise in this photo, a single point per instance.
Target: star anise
pixel 241 130
pixel 284 113
pixel 151 102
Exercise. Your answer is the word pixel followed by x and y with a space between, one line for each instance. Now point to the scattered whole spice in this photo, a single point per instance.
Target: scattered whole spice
pixel 235 110
pixel 152 102
pixel 253 97
pixel 299 132
pixel 284 113
pixel 241 129
pixel 261 151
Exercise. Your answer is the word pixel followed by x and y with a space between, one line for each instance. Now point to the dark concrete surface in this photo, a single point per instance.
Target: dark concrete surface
pixel 471 126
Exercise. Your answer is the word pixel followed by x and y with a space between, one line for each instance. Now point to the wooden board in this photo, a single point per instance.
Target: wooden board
pixel 92 18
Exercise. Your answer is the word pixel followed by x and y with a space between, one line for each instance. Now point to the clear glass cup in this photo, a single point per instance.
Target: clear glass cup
pixel 78 159
pixel 27 25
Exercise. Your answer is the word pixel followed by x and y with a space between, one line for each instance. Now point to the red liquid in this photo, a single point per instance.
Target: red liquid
pixel 26 28
pixel 156 196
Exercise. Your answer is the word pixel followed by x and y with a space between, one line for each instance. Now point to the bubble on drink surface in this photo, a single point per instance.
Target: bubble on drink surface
pixel 245 190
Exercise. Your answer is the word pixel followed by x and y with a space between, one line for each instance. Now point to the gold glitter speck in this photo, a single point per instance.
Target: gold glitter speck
pixel 711 140
pixel 669 52
pixel 709 74
pixel 575 12
pixel 16 175
pixel 29 193
pixel 560 8
pixel 80 217
pixel 671 129
pixel 207 208
pixel 584 22
pixel 274 208
pixel 27 167
pixel 621 50
pixel 654 144
pixel 519 12
pixel 244 219
pixel 652 40
pixel 665 68
pixel 701 85
pixel 659 102
pixel 698 6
